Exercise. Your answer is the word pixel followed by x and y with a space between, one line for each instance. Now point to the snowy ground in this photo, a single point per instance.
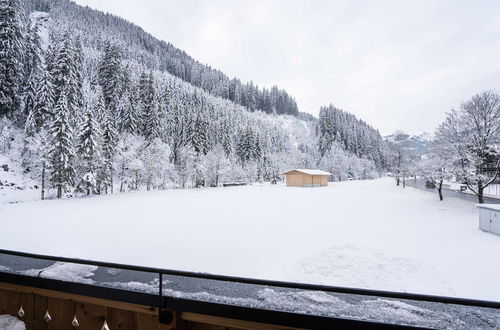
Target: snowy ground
pixel 15 186
pixel 11 323
pixel 367 234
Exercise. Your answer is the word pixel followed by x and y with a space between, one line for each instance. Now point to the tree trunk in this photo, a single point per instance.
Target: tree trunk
pixel 397 180
pixel 440 191
pixel 404 182
pixel 43 181
pixel 111 180
pixel 480 194
pixel 59 191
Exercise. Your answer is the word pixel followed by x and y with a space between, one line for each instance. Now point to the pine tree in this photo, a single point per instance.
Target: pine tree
pixel 61 153
pixel 33 62
pixel 146 91
pixel 227 142
pixel 33 58
pixel 110 75
pixel 79 60
pixel 199 139
pixel 130 116
pixel 152 121
pixel 109 141
pixel 176 131
pixel 12 55
pixel 246 148
pixel 39 102
pixel 150 107
pixel 89 153
pixel 44 97
pixel 66 74
pixel 29 106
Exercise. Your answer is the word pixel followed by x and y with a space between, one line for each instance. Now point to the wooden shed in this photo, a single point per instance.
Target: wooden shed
pixel 306 178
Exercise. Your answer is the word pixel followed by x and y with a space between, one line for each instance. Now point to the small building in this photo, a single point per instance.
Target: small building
pixel 489 218
pixel 306 178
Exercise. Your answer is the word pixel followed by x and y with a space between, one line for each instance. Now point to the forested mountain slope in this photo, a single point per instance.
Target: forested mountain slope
pixel 96 27
pixel 88 105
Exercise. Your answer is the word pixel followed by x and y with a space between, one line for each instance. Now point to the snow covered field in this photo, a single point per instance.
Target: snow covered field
pixel 368 234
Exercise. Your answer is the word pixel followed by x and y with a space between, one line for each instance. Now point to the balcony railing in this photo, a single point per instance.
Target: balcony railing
pixel 166 303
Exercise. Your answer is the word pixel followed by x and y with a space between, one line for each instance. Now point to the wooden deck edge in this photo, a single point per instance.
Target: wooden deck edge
pixel 124 306
pixel 149 310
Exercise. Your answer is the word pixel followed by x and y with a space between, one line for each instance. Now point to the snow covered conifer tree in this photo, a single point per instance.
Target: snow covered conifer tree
pixel 43 99
pixel 130 117
pixel 247 147
pixel 12 55
pixel 226 140
pixel 152 121
pixel 109 137
pixel 88 153
pixel 176 130
pixel 32 66
pixel 29 105
pixel 326 136
pixel 150 106
pixel 61 153
pixel 199 138
pixel 66 74
pixel 110 74
pixel 33 58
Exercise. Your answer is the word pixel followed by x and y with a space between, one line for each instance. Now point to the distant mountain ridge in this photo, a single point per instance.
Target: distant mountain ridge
pixel 414 143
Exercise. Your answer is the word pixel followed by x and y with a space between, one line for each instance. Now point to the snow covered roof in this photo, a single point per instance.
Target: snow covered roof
pixel 310 172
pixel 495 207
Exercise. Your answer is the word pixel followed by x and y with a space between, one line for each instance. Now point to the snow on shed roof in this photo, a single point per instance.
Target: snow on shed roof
pixel 310 172
pixel 495 207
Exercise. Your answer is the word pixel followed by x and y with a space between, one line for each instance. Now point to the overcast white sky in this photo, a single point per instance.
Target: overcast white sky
pixel 396 64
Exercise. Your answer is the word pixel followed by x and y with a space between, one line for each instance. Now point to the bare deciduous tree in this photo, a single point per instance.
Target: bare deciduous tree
pixel 472 133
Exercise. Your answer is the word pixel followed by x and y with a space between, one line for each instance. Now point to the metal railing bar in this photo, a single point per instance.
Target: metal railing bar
pixel 271 283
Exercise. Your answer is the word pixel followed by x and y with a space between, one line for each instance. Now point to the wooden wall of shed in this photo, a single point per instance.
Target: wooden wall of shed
pixel 324 180
pixel 298 179
pixel 295 179
pixel 91 313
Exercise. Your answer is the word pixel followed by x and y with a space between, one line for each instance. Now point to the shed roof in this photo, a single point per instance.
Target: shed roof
pixel 495 207
pixel 310 172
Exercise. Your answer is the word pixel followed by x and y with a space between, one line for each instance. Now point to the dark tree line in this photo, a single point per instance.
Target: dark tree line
pixel 353 134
